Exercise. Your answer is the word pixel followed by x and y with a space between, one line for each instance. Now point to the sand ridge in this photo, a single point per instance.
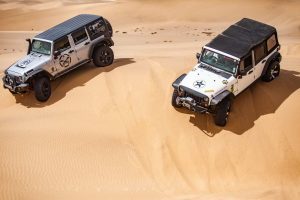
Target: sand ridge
pixel 112 133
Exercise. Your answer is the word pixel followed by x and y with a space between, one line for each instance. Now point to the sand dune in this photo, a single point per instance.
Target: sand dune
pixel 112 133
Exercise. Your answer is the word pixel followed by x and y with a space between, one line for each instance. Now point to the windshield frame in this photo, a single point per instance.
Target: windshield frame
pixel 41 40
pixel 222 54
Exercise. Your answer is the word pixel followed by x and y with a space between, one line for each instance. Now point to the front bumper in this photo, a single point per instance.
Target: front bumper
pixel 12 86
pixel 191 104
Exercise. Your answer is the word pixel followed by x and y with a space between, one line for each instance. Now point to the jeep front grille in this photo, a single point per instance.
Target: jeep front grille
pixel 198 100
pixel 198 97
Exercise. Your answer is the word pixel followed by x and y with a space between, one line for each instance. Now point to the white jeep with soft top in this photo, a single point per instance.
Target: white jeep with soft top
pixel 232 61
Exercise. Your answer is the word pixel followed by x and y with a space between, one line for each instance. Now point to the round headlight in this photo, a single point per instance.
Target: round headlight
pixel 206 99
pixel 181 91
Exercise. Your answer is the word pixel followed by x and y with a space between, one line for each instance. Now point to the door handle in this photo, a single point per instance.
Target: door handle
pixel 250 72
pixel 86 43
pixel 71 51
pixel 264 61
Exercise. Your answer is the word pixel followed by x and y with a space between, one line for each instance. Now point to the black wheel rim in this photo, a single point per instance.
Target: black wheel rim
pixel 105 57
pixel 227 111
pixel 45 89
pixel 275 71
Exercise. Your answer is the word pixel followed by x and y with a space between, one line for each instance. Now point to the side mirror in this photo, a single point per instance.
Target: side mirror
pixel 29 45
pixel 198 56
pixel 56 54
pixel 242 72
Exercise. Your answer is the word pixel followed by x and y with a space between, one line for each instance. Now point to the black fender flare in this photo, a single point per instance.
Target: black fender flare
pixel 109 27
pixel 275 57
pixel 106 42
pixel 38 74
pixel 176 83
pixel 220 97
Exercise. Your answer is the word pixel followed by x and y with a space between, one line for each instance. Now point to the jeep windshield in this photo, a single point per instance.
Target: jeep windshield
pixel 41 47
pixel 219 61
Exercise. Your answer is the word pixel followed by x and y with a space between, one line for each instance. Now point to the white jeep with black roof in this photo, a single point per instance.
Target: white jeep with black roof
pixel 60 49
pixel 232 61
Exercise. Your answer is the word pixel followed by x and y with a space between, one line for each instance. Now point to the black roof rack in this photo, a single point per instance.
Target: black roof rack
pixel 67 27
pixel 240 38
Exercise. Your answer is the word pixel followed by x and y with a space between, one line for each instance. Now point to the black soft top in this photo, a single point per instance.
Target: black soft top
pixel 67 27
pixel 240 38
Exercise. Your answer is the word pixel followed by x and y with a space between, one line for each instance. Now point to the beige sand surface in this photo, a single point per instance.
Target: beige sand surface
pixel 112 133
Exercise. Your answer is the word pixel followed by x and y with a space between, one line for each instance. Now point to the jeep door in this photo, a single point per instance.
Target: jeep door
pixel 66 56
pixel 262 52
pixel 246 73
pixel 82 44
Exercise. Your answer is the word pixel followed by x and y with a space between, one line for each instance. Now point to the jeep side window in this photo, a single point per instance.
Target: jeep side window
pixel 79 36
pixel 96 29
pixel 271 42
pixel 246 64
pixel 259 52
pixel 62 44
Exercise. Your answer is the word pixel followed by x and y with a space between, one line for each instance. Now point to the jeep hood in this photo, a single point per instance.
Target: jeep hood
pixel 205 82
pixel 28 62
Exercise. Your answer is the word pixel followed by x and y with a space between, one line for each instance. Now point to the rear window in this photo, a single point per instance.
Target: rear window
pixel 96 29
pixel 271 42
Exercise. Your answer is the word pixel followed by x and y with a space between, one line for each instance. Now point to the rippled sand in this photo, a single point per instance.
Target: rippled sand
pixel 111 133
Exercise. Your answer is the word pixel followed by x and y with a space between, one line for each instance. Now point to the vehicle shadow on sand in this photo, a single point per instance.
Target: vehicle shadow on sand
pixel 259 99
pixel 77 78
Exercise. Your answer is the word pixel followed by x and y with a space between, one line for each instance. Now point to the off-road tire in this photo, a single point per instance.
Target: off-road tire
pixel 174 97
pixel 272 72
pixel 42 88
pixel 222 112
pixel 103 56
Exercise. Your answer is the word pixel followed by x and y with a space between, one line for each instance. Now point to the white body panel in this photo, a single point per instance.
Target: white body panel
pixel 244 82
pixel 82 49
pixel 29 62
